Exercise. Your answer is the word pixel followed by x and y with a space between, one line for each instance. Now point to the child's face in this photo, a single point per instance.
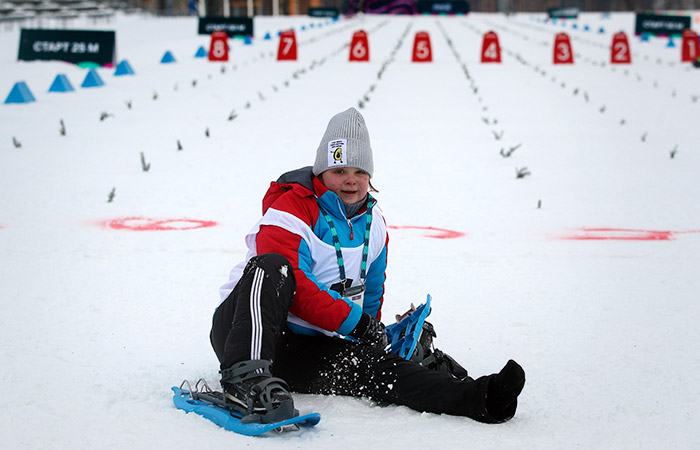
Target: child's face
pixel 349 183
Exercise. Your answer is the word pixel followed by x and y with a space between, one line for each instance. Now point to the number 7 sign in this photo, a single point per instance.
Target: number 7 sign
pixel 287 50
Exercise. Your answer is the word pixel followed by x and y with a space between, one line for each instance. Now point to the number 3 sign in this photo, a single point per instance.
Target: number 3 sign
pixel 562 49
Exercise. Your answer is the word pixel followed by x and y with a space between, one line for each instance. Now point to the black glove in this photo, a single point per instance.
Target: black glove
pixel 370 331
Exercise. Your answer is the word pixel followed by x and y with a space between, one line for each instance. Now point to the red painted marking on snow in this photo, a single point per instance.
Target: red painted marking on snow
pixel 435 233
pixel 621 234
pixel 150 224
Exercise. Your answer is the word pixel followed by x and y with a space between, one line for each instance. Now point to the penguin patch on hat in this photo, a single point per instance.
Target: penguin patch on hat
pixel 337 152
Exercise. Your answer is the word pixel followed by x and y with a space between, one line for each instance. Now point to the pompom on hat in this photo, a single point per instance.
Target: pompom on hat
pixel 345 144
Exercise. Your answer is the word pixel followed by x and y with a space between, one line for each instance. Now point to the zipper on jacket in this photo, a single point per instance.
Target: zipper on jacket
pixel 352 235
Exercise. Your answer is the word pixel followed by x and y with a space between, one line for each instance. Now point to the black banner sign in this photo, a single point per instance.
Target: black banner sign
pixel 660 25
pixel 442 7
pixel 563 13
pixel 76 46
pixel 233 26
pixel 324 12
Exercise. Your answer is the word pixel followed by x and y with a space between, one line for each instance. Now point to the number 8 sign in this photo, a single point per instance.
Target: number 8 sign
pixel 620 50
pixel 287 50
pixel 218 49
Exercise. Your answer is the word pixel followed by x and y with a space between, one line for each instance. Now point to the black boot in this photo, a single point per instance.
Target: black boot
pixel 503 390
pixel 256 394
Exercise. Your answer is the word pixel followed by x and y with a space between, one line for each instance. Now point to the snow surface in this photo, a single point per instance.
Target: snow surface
pixel 595 292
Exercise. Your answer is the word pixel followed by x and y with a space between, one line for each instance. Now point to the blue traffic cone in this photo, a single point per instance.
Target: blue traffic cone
pixel 92 79
pixel 61 84
pixel 20 93
pixel 123 68
pixel 167 58
pixel 201 52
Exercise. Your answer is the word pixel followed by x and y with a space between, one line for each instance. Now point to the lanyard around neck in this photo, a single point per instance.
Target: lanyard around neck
pixel 365 248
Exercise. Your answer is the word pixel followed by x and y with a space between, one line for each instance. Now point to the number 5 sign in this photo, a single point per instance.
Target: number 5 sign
pixel 421 48
pixel 359 47
pixel 287 50
pixel 562 49
pixel 620 50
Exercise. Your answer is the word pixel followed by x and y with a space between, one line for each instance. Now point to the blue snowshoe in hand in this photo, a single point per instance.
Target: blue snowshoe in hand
pixel 411 337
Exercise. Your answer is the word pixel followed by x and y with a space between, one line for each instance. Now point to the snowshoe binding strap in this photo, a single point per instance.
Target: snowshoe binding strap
pixel 251 390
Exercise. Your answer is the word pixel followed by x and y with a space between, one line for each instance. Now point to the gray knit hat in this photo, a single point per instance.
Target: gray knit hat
pixel 345 144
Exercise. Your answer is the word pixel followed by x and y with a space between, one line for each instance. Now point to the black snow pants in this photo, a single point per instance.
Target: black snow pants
pixel 251 324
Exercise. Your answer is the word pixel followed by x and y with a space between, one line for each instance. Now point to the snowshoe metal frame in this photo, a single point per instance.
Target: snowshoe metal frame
pixel 197 399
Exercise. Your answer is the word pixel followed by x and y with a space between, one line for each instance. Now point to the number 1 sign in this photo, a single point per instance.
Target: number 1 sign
pixel 287 50
pixel 690 51
pixel 620 50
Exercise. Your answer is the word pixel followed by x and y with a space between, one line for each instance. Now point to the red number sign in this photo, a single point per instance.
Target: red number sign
pixel 287 50
pixel 490 48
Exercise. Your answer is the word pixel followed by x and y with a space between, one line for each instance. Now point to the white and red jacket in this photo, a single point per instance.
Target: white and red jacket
pixel 293 226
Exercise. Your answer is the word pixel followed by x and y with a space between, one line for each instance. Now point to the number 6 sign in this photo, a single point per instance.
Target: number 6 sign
pixel 287 50
pixel 359 47
pixel 562 49
pixel 620 50
pixel 421 48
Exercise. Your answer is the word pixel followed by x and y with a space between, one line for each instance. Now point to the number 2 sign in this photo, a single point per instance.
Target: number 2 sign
pixel 287 50
pixel 421 48
pixel 620 50
pixel 562 49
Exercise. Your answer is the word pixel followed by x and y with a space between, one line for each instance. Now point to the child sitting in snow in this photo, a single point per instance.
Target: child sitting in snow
pixel 302 313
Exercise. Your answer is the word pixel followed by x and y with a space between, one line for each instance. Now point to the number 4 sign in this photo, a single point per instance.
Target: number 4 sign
pixel 562 49
pixel 287 50
pixel 421 48
pixel 620 50
pixel 359 47
pixel 490 49
pixel 218 49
